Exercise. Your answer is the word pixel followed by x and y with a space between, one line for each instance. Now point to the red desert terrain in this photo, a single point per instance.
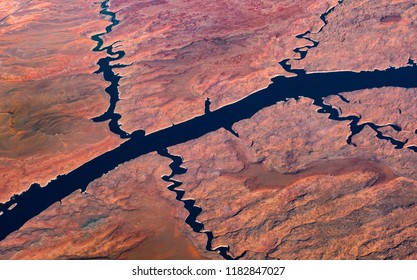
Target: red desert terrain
pixel 326 178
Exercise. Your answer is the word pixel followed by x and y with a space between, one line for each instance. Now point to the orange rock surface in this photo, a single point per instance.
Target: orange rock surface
pixel 123 215
pixel 49 97
pixel 394 106
pixel 291 188
pixel 48 91
pixel 184 52
pixel 365 35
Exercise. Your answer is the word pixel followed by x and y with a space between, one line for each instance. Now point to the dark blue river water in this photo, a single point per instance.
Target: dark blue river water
pixel 314 86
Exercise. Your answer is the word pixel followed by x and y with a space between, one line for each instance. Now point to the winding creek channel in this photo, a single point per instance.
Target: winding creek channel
pixel 109 75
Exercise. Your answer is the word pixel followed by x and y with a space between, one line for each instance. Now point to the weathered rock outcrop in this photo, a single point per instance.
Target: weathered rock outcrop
pixel 289 187
pixel 184 52
pixel 365 35
pixel 122 215
pixel 48 91
pixel 292 188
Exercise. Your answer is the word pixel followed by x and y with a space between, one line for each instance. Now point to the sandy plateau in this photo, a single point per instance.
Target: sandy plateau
pixel 289 187
pixel 48 92
pixel 184 52
pixel 310 197
pixel 123 215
